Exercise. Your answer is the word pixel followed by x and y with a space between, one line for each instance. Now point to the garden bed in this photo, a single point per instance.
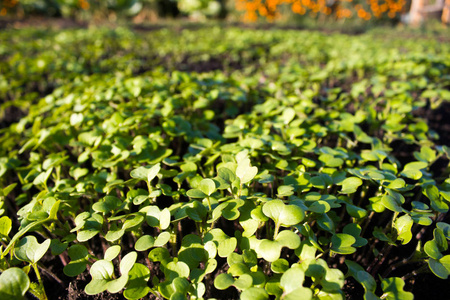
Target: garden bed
pixel 223 163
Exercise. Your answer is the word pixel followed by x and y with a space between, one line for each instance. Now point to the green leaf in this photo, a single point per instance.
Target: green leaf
pixel 197 212
pixel 207 186
pixel 79 256
pixel 391 203
pixel 319 207
pixel 393 289
pixel 5 191
pixel 226 247
pixel 112 252
pixel 162 239
pixel 426 154
pixel 102 269
pixel 137 283
pixel 225 177
pixel 14 283
pixel 333 281
pixel 445 261
pixel 144 243
pixel 114 233
pixel 146 173
pixel 292 279
pixel 96 286
pixel 282 214
pixel 412 169
pixel 330 160
pixel 160 254
pixel 350 185
pixel 366 280
pixel 223 281
pixel 326 223
pixel 403 226
pixel 438 268
pixel 269 250
pixel 164 219
pixel 243 282
pixel 285 190
pixel 153 216
pixel 279 266
pixel 108 204
pixel 432 192
pixel 266 178
pixel 354 230
pixel 356 211
pixel 196 193
pixel 127 262
pixel 5 226
pixel 176 269
pixel 42 178
pixel 445 229
pixel 342 243
pixel 306 250
pixel 432 250
pixel 28 249
pixel 238 269
pixel 288 239
pixel 245 171
pixel 211 248
pixel 254 293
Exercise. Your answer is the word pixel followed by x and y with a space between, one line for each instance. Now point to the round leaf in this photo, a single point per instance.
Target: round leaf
pixel 350 185
pixel 245 171
pixel 269 250
pixel 279 266
pixel 127 262
pixel 223 281
pixel 226 247
pixel 137 282
pixel 14 283
pixel 207 186
pixel 288 239
pixel 144 242
pixel 28 249
pixel 254 293
pixel 112 252
pixel 292 279
pixel 102 269
pixel 162 239
pixel 195 193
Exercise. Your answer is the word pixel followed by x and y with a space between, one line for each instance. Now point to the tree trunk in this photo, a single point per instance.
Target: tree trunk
pixel 446 12
pixel 415 13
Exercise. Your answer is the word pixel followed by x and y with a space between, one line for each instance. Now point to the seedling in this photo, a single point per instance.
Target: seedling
pixel 283 178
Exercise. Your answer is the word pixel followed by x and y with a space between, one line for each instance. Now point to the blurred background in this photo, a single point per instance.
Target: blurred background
pixel 300 13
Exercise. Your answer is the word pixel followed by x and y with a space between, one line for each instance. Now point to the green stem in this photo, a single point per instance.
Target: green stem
pixel 42 295
pixel 209 203
pixel 277 228
pixel 149 187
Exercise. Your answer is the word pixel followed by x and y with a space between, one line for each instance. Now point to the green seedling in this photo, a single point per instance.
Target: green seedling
pixel 270 180
pixel 102 272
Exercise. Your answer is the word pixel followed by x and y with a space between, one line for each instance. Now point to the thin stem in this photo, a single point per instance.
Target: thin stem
pixel 209 203
pixel 277 228
pixel 378 262
pixel 42 295
pixel 422 269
